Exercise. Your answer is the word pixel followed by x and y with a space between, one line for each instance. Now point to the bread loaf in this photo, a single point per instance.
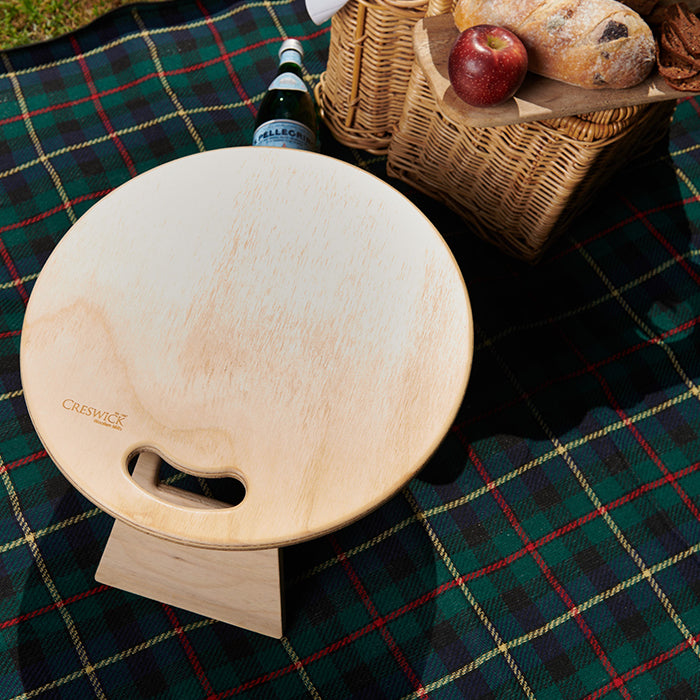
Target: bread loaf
pixel 588 43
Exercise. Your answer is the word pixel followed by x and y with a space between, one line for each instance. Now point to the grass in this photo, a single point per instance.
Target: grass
pixel 28 21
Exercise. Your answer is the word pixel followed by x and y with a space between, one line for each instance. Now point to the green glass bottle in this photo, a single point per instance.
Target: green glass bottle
pixel 287 117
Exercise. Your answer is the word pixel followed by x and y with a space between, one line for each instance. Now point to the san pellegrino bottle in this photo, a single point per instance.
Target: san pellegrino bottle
pixel 287 117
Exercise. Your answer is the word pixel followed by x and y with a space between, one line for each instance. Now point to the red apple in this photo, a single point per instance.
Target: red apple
pixel 487 65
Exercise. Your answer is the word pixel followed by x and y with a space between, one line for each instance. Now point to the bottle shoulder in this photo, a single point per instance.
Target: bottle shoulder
pixel 281 105
pixel 288 81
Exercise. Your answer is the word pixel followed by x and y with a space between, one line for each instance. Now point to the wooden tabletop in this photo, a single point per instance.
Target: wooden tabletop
pixel 277 316
pixel 538 98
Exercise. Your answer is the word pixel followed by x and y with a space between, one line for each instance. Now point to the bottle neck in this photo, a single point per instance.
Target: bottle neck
pixel 290 61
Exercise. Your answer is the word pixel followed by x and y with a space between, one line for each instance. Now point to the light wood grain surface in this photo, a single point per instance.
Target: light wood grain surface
pixel 538 98
pixel 274 315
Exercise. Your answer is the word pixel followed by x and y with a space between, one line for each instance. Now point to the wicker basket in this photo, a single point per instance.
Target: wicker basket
pixel 516 186
pixel 362 90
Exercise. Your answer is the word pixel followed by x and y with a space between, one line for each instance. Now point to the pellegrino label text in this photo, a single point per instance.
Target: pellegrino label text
pixel 284 132
pixel 109 419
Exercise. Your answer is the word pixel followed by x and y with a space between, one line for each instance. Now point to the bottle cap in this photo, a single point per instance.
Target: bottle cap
pixel 291 45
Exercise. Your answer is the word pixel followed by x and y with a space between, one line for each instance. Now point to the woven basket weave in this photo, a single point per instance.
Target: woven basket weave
pixel 362 90
pixel 516 186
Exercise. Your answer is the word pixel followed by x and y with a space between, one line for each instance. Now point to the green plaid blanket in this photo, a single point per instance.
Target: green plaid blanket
pixel 550 547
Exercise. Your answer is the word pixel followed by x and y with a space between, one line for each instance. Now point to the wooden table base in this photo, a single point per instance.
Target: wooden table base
pixel 239 587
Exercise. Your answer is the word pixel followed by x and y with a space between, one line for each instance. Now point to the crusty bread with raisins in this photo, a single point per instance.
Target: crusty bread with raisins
pixel 588 43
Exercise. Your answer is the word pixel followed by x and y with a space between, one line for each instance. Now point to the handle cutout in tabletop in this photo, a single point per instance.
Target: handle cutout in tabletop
pixel 173 485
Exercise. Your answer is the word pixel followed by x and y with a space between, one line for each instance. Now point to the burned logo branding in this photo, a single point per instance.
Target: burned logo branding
pixel 109 419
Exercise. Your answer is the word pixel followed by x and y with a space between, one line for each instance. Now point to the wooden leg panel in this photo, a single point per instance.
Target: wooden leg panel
pixel 242 587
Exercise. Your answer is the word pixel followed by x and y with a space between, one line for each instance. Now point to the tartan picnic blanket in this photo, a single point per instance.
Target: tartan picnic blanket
pixel 549 548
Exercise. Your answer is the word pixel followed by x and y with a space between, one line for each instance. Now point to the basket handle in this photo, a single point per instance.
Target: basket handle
pixel 439 7
pixel 400 4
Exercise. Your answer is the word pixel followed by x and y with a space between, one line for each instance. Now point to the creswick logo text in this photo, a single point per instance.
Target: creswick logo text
pixel 109 419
